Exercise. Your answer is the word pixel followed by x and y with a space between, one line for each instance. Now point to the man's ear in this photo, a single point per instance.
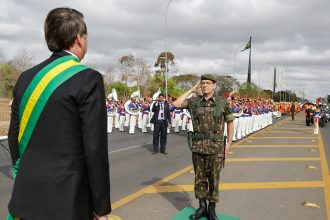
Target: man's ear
pixel 79 40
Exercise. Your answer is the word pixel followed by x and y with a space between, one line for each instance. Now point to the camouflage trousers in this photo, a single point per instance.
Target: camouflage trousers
pixel 207 169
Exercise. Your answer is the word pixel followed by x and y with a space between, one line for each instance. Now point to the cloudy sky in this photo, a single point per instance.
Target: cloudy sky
pixel 206 36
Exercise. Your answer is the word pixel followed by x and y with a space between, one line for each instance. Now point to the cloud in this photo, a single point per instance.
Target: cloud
pixel 204 35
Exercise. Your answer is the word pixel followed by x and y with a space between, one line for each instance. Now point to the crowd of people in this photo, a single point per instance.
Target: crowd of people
pixel 251 114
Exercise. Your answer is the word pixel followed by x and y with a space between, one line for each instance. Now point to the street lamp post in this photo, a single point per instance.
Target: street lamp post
pixel 260 70
pixel 166 68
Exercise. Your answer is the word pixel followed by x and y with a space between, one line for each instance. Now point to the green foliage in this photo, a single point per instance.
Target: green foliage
pixel 121 88
pixel 226 83
pixel 249 90
pixel 266 94
pixel 186 81
pixel 158 81
pixel 8 78
pixel 173 89
pixel 285 96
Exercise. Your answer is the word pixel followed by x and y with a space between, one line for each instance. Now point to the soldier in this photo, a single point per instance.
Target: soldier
pixel 209 114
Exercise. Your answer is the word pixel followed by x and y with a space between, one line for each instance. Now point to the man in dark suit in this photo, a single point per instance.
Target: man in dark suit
pixel 161 120
pixel 62 173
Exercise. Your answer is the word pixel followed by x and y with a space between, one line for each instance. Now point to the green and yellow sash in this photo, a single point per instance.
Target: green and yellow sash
pixel 36 96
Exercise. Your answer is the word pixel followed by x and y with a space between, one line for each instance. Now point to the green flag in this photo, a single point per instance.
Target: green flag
pixel 247 46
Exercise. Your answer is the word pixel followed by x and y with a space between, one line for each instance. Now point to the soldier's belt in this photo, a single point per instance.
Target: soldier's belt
pixel 207 135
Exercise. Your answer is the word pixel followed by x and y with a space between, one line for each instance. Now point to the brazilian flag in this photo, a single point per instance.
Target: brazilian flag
pixel 247 46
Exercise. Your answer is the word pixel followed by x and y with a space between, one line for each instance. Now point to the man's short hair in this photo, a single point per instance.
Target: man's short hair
pixel 62 26
pixel 161 94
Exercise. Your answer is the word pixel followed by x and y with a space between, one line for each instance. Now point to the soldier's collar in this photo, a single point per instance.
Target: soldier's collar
pixel 211 99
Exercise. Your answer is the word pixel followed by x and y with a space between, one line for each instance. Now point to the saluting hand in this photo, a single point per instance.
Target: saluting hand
pixel 196 87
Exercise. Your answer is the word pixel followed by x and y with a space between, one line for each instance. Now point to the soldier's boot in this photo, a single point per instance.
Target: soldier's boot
pixel 211 215
pixel 201 211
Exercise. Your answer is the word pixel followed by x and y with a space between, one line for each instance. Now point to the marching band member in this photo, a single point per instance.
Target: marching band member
pixel 133 109
pixel 139 103
pixel 145 109
pixel 177 119
pixel 184 119
pixel 111 111
pixel 122 117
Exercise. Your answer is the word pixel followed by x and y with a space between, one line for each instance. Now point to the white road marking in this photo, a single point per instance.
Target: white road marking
pixel 128 148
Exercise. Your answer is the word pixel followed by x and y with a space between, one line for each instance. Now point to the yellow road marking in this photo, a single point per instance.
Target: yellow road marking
pixel 325 174
pixel 272 159
pixel 278 145
pixel 291 131
pixel 275 146
pixel 236 186
pixel 293 128
pixel 284 137
pixel 142 191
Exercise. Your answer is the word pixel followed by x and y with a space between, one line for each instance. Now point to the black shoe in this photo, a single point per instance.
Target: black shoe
pixel 155 152
pixel 163 152
pixel 211 215
pixel 201 211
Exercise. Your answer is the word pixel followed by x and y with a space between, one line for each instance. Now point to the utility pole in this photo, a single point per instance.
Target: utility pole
pixel 274 86
pixel 249 69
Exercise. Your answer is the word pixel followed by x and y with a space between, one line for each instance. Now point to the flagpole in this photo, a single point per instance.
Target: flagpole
pixel 249 69
pixel 274 85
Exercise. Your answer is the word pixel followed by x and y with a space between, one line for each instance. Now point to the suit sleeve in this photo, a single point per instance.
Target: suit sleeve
pixel 93 115
pixel 14 129
pixel 154 107
pixel 168 115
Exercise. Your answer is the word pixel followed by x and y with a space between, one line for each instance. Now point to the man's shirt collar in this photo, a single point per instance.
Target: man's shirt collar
pixel 69 52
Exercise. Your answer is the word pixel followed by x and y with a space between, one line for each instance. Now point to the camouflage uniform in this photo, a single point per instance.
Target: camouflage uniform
pixel 208 143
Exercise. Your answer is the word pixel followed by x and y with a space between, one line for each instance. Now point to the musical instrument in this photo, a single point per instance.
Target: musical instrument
pixel 113 95
pixel 154 98
pixel 135 96
pixel 113 108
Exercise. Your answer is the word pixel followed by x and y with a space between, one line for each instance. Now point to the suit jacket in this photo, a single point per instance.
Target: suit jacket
pixel 167 115
pixel 64 171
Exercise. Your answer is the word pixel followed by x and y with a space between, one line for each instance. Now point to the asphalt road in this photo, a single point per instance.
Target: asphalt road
pixel 133 167
pixel 326 141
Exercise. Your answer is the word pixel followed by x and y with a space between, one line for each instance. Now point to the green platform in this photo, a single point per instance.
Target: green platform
pixel 186 212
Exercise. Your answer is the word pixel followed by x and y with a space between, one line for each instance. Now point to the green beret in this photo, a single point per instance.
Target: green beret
pixel 208 77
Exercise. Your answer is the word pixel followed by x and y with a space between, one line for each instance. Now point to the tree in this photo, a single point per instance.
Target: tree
pixel 142 74
pixel 161 60
pixel 121 88
pixel 328 98
pixel 226 83
pixel 22 60
pixel 249 90
pixel 126 67
pixel 186 81
pixel 109 76
pixel 266 93
pixel 8 78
